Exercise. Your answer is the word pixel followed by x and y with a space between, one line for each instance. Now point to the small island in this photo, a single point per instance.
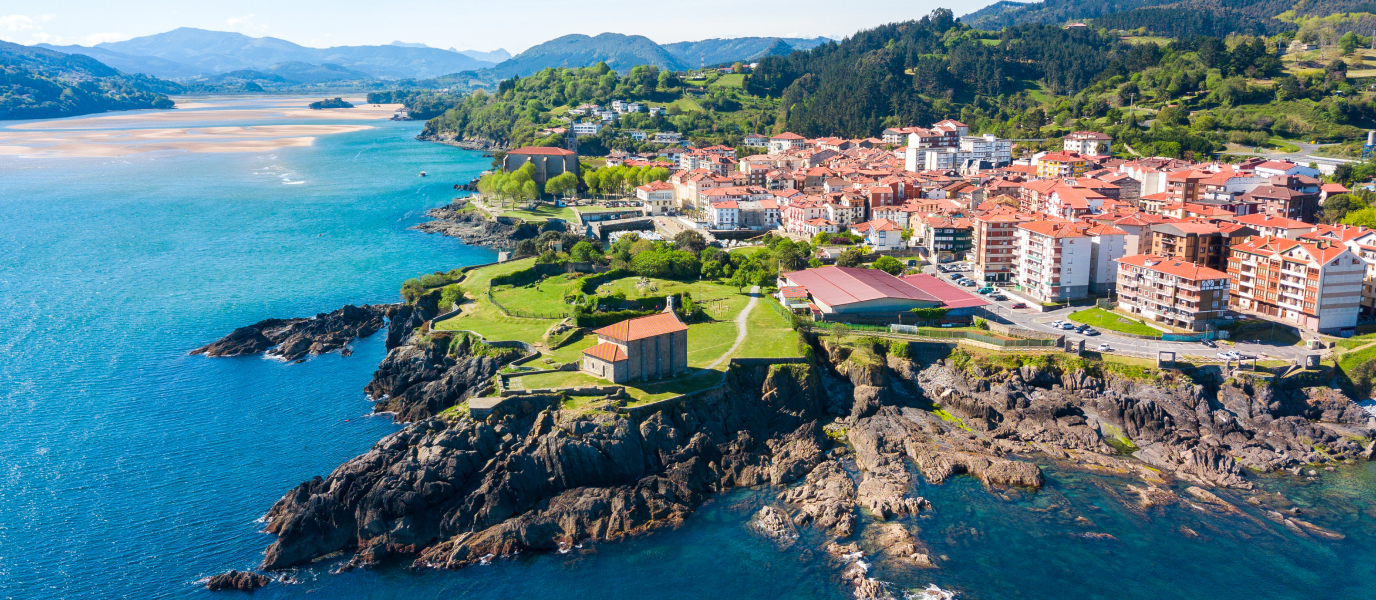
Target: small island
pixel 330 103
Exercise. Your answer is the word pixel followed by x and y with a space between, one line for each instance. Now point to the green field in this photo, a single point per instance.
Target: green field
pixel 734 80
pixel 771 334
pixel 541 213
pixel 545 296
pixel 482 317
pixel 1099 318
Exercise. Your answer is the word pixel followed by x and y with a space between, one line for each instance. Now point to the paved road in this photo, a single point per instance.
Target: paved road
pixel 1040 321
pixel 741 327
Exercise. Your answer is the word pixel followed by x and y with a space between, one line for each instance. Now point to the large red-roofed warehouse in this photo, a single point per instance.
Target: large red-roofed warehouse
pixel 842 293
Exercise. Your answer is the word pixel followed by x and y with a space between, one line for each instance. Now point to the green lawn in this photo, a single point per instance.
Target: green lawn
pixel 545 296
pixel 1099 318
pixel 542 212
pixel 687 104
pixel 481 316
pixel 770 334
pixel 700 290
pixel 734 80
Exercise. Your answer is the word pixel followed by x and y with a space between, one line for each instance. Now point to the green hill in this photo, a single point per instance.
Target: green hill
pixel 38 83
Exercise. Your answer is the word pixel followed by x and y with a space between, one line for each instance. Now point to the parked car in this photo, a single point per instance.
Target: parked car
pixel 1230 355
pixel 1105 348
pixel 1090 331
pixel 986 290
pixel 1057 323
pixel 999 297
pixel 1020 305
pixel 967 282
pixel 1208 343
pixel 1067 326
pixel 1081 328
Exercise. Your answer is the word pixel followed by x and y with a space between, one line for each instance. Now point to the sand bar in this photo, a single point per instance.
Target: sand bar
pixel 273 123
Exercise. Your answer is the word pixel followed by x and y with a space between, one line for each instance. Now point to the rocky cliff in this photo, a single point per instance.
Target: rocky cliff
pixel 293 339
pixel 474 228
pixel 837 439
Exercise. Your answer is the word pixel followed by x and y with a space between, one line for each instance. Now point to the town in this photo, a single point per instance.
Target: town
pixel 1177 246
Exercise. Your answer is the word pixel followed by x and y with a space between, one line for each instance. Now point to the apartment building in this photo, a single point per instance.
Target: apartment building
pixel 1172 292
pixel 1061 165
pixel 1362 242
pixel 1053 260
pixel 1091 143
pixel 1107 244
pixel 994 239
pixel 1315 285
pixel 1199 242
pixel 946 236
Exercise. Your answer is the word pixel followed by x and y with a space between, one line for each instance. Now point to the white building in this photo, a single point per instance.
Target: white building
pixel 656 197
pixel 582 129
pixel 1089 143
pixel 1053 260
pixel 785 141
pixel 986 148
pixel 1107 245
pixel 668 137
pixel 881 235
pixel 724 215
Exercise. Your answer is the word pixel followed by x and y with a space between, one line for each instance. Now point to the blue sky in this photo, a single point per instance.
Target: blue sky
pixel 462 24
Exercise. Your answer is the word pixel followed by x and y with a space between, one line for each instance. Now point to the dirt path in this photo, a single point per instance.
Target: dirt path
pixel 741 330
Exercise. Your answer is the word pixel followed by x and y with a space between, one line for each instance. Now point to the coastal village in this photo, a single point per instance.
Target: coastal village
pixel 928 233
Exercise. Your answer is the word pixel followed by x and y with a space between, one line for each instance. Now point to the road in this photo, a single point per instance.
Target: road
pixel 1028 318
pixel 741 327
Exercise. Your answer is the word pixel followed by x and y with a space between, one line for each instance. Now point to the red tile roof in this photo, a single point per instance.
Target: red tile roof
pixel 950 295
pixel 542 150
pixel 839 286
pixel 643 327
pixel 607 351
pixel 1171 266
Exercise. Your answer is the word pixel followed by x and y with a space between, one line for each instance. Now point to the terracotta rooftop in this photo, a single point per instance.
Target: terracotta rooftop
pixel 1171 266
pixel 643 327
pixel 838 286
pixel 607 351
pixel 542 150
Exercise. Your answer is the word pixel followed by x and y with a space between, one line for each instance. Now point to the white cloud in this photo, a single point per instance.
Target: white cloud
pixel 19 23
pixel 246 24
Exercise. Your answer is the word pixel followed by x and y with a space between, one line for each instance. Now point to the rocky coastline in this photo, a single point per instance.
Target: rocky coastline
pixel 845 436
pixel 474 228
pixel 294 339
pixel 450 139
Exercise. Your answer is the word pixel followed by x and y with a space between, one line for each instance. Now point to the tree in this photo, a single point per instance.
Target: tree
pixel 740 279
pixel 563 184
pixel 690 241
pixel 927 315
pixel 851 257
pixel 584 251
pixel 889 264
pixel 1348 42
pixel 1339 206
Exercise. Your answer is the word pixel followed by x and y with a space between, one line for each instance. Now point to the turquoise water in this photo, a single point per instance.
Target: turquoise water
pixel 129 469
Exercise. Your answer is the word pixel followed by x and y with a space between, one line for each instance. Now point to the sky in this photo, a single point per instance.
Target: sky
pixel 461 24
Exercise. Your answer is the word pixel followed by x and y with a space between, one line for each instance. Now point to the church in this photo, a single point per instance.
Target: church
pixel 639 349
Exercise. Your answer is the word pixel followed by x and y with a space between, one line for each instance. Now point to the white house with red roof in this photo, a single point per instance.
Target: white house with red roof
pixel 786 141
pixel 881 235
pixel 656 197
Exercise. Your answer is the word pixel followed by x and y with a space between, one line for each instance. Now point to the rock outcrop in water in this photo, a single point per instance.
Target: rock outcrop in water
pixel 293 339
pixel 473 228
pixel 451 490
pixel 243 581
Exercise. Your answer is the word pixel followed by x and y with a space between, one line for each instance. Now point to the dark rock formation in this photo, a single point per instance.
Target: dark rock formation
pixel 456 491
pixel 292 339
pixel 244 581
pixel 420 381
pixel 474 228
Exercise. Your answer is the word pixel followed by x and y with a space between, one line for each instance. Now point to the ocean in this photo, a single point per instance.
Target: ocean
pixel 129 469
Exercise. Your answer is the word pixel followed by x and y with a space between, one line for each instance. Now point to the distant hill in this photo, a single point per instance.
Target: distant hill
pixel 494 57
pixel 718 51
pixel 41 83
pixel 301 72
pixel 1007 13
pixel 129 63
pixel 220 52
pixel 1179 18
pixel 620 52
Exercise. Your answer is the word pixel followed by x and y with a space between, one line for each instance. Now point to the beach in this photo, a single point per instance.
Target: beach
pixel 195 125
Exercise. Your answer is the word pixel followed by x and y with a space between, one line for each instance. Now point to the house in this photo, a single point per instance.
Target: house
pixel 725 214
pixel 656 110
pixel 1281 227
pixel 637 135
pixel 816 226
pixel 639 349
pixel 946 236
pixel 1172 292
pixel 881 235
pixel 1061 165
pixel 1315 285
pixel 1089 143
pixel 785 141
pixel 548 161
pixel 755 140
pixel 585 129
pixel 668 137
pixel 656 197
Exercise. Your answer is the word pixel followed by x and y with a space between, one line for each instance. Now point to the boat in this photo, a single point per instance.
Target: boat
pixel 422 173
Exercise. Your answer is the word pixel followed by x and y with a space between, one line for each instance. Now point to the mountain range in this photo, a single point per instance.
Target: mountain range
pixel 198 54
pixel 38 83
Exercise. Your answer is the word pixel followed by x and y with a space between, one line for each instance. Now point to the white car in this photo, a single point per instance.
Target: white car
pixel 1057 323
pixel 1105 348
pixel 1229 355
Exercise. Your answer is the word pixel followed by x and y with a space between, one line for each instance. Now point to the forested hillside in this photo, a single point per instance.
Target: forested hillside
pixel 1191 97
pixel 37 83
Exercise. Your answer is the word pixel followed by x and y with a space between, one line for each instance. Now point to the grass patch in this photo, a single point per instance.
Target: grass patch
pixel 545 296
pixel 482 317
pixel 733 80
pixel 541 213
pixel 642 392
pixel 771 334
pixel 1099 318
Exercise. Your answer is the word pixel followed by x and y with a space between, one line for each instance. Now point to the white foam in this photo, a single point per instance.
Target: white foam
pixel 931 593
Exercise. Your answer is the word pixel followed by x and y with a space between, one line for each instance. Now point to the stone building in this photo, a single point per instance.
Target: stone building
pixel 549 162
pixel 639 349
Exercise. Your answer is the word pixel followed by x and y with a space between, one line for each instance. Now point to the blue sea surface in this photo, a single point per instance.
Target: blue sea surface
pixel 129 469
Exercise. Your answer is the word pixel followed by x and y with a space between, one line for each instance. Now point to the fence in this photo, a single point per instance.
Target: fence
pixel 910 331
pixel 524 314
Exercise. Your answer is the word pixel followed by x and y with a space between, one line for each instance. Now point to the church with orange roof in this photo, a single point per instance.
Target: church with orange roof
pixel 639 349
